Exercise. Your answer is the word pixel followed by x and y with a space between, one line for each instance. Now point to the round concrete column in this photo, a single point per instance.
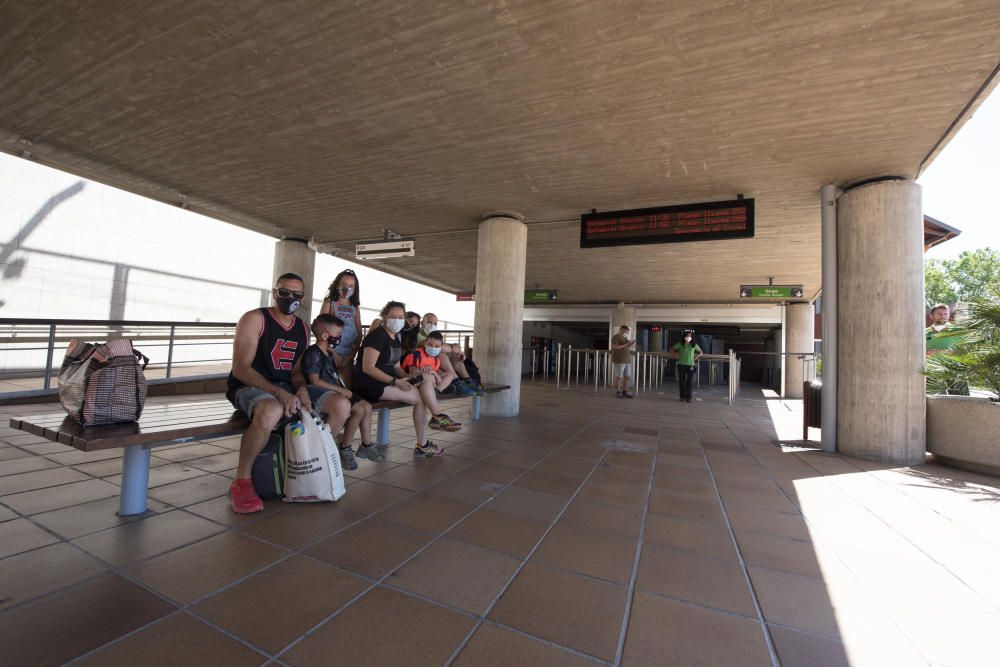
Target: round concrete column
pixel 620 316
pixel 500 261
pixel 294 256
pixel 881 411
pixel 656 341
pixel 800 325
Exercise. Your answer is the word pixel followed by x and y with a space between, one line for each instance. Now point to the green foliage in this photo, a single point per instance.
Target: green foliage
pixel 963 279
pixel 976 359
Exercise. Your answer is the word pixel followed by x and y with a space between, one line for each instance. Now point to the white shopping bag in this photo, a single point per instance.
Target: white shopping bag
pixel 312 462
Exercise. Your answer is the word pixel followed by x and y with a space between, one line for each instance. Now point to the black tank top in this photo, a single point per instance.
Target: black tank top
pixel 278 349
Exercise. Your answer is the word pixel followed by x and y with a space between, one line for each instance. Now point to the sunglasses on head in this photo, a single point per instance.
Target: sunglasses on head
pixel 284 293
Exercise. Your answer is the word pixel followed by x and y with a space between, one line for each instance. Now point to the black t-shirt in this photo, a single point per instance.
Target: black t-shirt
pixel 390 351
pixel 319 362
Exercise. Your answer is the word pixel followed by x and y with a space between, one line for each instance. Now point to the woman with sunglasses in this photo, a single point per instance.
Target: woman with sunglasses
pixel 344 302
pixel 379 377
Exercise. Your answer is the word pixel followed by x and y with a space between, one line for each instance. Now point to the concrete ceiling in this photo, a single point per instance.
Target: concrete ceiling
pixel 335 119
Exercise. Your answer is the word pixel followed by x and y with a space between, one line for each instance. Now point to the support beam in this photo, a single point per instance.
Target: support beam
pixel 800 325
pixel 294 256
pixel 828 397
pixel 881 405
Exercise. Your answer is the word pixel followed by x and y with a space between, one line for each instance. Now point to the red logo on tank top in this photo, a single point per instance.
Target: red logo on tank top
pixel 283 354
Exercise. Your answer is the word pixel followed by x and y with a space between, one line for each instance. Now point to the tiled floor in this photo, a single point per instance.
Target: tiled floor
pixel 588 530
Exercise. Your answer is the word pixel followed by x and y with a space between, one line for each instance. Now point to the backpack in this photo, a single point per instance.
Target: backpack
pixel 103 383
pixel 268 473
pixel 473 370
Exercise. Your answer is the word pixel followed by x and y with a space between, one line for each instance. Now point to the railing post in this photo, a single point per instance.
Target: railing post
pixel 534 360
pixel 49 354
pixel 545 360
pixel 558 364
pixel 170 349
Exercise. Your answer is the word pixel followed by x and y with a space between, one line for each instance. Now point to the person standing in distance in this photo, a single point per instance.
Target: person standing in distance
pixel 621 361
pixel 688 353
pixel 344 302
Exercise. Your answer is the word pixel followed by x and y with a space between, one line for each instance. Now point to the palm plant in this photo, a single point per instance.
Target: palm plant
pixel 975 361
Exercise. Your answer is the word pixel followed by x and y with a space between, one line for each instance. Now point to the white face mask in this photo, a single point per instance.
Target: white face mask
pixel 625 335
pixel 430 327
pixel 395 325
pixel 432 351
pixel 687 339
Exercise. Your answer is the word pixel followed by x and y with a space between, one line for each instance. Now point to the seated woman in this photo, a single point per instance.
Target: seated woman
pixel 344 302
pixel 452 359
pixel 379 377
pixel 410 332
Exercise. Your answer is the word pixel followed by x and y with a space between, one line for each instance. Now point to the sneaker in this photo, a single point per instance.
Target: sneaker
pixel 463 388
pixel 625 394
pixel 245 500
pixel 370 452
pixel 347 459
pixel 618 394
pixel 443 422
pixel 428 449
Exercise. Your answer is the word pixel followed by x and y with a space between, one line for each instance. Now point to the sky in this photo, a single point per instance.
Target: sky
pixel 960 187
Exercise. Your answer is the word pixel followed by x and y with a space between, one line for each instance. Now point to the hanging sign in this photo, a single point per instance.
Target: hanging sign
pixel 539 295
pixel 770 291
pixel 465 296
pixel 669 224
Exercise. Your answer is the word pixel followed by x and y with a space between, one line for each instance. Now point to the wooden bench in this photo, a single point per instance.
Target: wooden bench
pixel 170 424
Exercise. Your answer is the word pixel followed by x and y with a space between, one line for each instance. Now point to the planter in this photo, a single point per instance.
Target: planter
pixel 964 431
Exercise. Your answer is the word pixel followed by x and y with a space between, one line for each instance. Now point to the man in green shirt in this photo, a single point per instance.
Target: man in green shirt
pixel 688 353
pixel 942 337
pixel 621 361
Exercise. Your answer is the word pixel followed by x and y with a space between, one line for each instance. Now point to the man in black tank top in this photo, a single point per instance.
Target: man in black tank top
pixel 267 383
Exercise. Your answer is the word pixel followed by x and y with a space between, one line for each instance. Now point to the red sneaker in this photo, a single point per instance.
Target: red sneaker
pixel 244 498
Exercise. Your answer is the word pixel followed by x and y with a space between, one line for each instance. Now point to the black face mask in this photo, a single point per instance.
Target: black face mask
pixel 333 341
pixel 287 304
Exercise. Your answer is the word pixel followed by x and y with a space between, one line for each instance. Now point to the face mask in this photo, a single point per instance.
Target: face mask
pixel 625 335
pixel 395 325
pixel 333 341
pixel 287 304
pixel 687 339
pixel 432 351
pixel 347 292
pixel 430 328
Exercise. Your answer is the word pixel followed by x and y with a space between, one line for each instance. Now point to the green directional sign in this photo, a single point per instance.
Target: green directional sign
pixel 539 295
pixel 770 291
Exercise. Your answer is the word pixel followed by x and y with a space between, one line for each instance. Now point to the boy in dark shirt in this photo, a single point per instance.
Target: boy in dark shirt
pixel 320 371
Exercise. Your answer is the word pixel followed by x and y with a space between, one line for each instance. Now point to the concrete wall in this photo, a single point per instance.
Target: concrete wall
pixel 964 431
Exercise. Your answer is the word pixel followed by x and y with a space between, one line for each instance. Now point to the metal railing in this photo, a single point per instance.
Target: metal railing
pixel 32 350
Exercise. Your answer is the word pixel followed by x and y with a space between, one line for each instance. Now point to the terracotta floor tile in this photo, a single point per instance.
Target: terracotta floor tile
pixel 186 452
pixel 465 489
pixel 691 487
pixel 548 482
pixel 409 477
pixel 800 649
pixel 179 639
pixel 686 460
pixel 35 573
pixel 528 503
pixel 443 464
pixel 6 514
pixel 191 491
pixel 372 548
pixel 37 445
pixel 151 536
pixel 164 474
pixel 216 463
pixel 608 473
pixel 220 510
pixel 516 457
pixel 78 520
pixel 23 464
pixel 773 501
pixel 468 451
pixel 368 468
pixel 19 535
pixel 567 465
pixel 426 512
pixel 631 495
pixel 198 569
pixel 301 524
pixel 501 532
pixel 626 458
pixel 798 602
pixel 589 552
pixel 43 500
pixel 112 467
pixel 368 497
pixel 60 627
pixel 779 553
pixel 606 518
pixel 493 645
pixel 457 574
pixel 665 471
pixel 690 636
pixel 690 576
pixel 687 535
pixel 573 611
pixel 411 643
pixel 686 507
pixel 299 593
pixel 493 472
pixel 792 526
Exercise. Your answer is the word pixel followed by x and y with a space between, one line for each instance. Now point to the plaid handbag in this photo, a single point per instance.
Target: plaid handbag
pixel 103 383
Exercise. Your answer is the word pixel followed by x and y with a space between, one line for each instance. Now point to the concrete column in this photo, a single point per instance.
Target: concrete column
pixel 880 289
pixel 800 324
pixel 500 261
pixel 294 256
pixel 656 341
pixel 620 316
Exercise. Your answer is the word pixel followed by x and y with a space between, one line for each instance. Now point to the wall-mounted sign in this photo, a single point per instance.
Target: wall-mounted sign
pixel 465 296
pixel 539 295
pixel 669 224
pixel 770 291
pixel 656 328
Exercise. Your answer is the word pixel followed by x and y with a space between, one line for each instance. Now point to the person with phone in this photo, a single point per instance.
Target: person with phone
pixel 621 360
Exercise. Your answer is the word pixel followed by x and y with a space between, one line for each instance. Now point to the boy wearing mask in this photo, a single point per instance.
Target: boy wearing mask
pixel 688 353
pixel 426 361
pixel 621 361
pixel 320 370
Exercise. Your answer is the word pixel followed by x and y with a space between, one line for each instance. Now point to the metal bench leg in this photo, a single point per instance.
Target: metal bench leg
pixel 475 407
pixel 382 438
pixel 135 480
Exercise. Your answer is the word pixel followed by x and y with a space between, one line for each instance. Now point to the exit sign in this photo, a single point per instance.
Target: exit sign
pixel 539 295
pixel 770 291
